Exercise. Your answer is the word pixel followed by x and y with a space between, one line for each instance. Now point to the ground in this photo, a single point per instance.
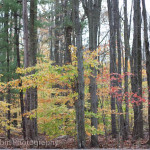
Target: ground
pixel 68 142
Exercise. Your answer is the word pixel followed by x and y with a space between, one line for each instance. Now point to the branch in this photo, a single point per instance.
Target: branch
pixel 103 38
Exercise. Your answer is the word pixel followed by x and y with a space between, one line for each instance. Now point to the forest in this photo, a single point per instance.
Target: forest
pixel 74 74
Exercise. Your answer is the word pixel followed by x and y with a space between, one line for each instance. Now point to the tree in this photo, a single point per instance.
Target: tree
pixel 127 52
pixel 8 65
pixel 113 66
pixel 92 10
pixel 17 31
pixel 25 31
pixel 136 80
pixel 30 60
pixel 57 25
pixel 115 70
pixel 67 30
pixel 79 104
pixel 122 124
pixel 146 42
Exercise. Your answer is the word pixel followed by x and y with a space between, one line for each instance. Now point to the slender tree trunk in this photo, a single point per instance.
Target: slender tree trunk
pixel 122 129
pixel 68 30
pixel 80 101
pixel 26 61
pixel 92 10
pixel 51 44
pixel 30 60
pixel 146 42
pixel 113 67
pixel 17 29
pixel 51 33
pixel 93 85
pixel 56 43
pixel 127 51
pixel 33 61
pixel 8 68
pixel 16 41
pixel 137 70
pixel 25 30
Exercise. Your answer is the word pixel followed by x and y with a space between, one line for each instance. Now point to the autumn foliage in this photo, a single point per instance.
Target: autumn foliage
pixel 56 112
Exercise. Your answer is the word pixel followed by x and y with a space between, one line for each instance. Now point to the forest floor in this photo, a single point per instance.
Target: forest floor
pixel 68 142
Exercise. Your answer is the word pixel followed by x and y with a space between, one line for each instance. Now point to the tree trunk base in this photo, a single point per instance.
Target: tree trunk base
pixel 94 141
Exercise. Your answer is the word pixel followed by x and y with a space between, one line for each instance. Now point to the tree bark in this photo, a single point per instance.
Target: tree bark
pixel 51 34
pixel 26 61
pixel 79 104
pixel 68 30
pixel 113 66
pixel 137 71
pixel 25 30
pixel 56 42
pixel 8 68
pixel 122 127
pixel 146 42
pixel 30 60
pixel 92 10
pixel 127 52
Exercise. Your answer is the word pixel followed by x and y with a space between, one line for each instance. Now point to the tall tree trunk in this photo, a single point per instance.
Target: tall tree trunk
pixel 30 60
pixel 17 31
pixel 68 31
pixel 26 60
pixel 92 10
pixel 16 47
pixel 51 34
pixel 137 70
pixel 122 124
pixel 127 51
pixel 56 43
pixel 146 42
pixel 25 31
pixel 8 68
pixel 93 85
pixel 80 101
pixel 113 67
